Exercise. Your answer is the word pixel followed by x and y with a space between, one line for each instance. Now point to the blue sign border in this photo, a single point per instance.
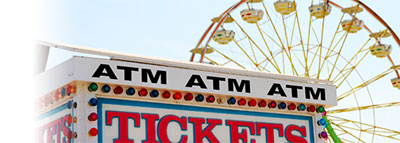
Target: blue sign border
pixel 102 101
pixel 52 112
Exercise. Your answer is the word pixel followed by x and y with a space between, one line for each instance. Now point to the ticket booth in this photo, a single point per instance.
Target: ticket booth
pixel 129 98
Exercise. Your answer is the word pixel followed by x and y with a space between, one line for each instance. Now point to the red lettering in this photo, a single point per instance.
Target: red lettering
pixel 50 129
pixel 207 132
pixel 56 124
pixel 163 125
pixel 54 127
pixel 65 128
pixel 270 130
pixel 123 124
pixel 150 127
pixel 292 138
pixel 235 135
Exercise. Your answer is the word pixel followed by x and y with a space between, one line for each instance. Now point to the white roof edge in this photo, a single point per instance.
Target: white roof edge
pixel 180 64
pixel 55 77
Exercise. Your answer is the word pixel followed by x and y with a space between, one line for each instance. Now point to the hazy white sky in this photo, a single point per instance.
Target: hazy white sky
pixel 170 27
pixel 160 28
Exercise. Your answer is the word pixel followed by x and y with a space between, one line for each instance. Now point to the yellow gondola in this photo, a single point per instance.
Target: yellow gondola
pixel 380 50
pixel 352 26
pixel 285 7
pixel 224 36
pixel 254 1
pixel 200 50
pixel 318 10
pixel 396 82
pixel 351 10
pixel 252 15
pixel 228 19
pixel 382 34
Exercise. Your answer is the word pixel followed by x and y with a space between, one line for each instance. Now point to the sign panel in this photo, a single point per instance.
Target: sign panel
pixel 146 75
pixel 138 121
pixel 55 126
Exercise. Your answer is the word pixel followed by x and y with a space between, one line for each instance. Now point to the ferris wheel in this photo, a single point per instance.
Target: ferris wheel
pixel 344 42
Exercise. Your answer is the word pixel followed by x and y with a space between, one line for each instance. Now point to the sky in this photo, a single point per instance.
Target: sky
pixel 159 28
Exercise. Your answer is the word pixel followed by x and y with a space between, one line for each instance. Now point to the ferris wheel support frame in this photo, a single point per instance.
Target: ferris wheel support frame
pixel 331 132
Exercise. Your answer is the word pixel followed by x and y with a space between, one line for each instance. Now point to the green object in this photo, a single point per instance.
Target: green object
pixel 93 87
pixel 321 109
pixel 331 132
pixel 302 107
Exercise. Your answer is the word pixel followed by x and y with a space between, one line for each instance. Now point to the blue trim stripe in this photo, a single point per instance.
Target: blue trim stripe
pixel 52 112
pixel 193 108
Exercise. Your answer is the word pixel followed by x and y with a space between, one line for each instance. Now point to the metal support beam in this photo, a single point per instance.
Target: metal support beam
pixel 41 56
pixel 331 132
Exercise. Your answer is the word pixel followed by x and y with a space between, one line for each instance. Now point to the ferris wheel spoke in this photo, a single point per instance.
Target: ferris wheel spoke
pixel 330 140
pixel 343 77
pixel 330 45
pixel 265 22
pixel 353 58
pixel 273 25
pixel 346 132
pixel 247 55
pixel 332 51
pixel 272 39
pixel 264 68
pixel 226 63
pixel 308 41
pixel 280 40
pixel 291 37
pixel 252 51
pixel 293 67
pixel 255 44
pixel 269 50
pixel 251 46
pixel 321 43
pixel 362 85
pixel 315 33
pixel 338 54
pixel 313 59
pixel 317 46
pixel 376 106
pixel 306 71
pixel 283 62
pixel 285 31
pixel 298 59
pixel 346 140
pixel 371 129
pixel 212 61
pixel 225 56
pixel 241 39
pixel 287 45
